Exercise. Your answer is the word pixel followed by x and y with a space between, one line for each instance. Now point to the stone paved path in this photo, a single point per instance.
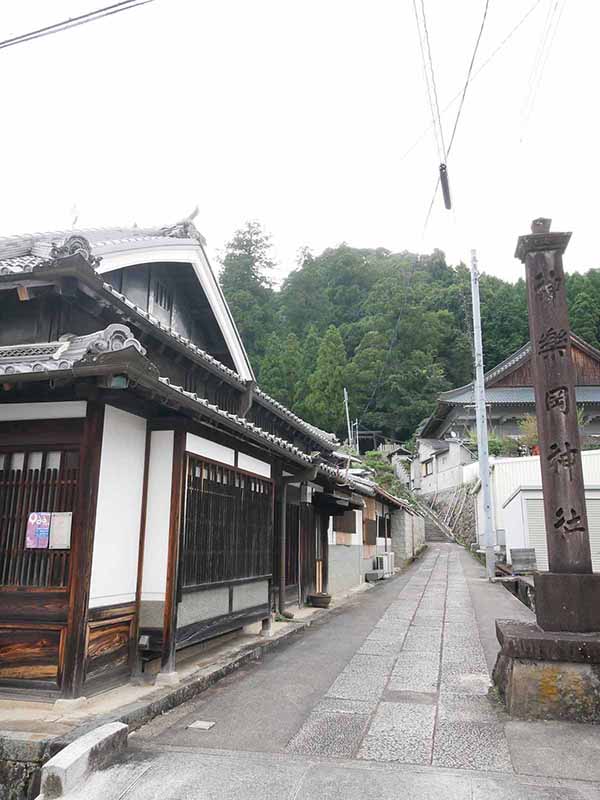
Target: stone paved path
pixel 416 691
pixel 388 697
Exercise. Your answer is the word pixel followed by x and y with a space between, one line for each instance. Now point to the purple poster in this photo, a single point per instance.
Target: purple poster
pixel 38 530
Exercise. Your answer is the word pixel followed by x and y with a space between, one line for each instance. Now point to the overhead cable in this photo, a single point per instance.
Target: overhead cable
pixel 479 69
pixel 74 22
pixel 443 173
pixel 435 94
pixel 427 79
pixel 543 53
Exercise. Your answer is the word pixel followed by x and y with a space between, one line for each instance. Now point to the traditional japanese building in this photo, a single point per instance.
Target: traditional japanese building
pixel 151 495
pixel 510 398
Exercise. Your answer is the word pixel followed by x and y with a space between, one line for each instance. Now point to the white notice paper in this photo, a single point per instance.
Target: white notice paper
pixel 60 530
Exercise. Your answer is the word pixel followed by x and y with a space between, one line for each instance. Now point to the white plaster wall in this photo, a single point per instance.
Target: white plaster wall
pixel 204 447
pixel 156 542
pixel 251 464
pixel 17 411
pixel 116 538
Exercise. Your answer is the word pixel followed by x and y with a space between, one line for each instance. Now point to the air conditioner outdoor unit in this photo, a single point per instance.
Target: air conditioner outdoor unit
pixel 381 562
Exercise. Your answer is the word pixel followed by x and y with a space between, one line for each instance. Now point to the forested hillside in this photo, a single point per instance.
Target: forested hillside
pixel 392 327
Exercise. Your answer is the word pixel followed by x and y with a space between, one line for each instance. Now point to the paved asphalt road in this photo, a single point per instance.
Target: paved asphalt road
pixel 387 697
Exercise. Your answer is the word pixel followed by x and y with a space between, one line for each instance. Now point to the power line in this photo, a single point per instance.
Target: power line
pixel 427 83
pixel 482 66
pixel 548 37
pixel 460 107
pixel 469 71
pixel 435 94
pixel 74 22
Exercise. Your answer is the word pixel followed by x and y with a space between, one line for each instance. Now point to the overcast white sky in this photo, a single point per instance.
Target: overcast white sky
pixel 298 114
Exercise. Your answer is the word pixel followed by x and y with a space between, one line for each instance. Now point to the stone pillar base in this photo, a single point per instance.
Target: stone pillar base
pixel 167 679
pixel 567 602
pixel 542 675
pixel 267 627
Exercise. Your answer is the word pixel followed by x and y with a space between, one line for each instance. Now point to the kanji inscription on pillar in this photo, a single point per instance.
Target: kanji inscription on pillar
pixel 556 403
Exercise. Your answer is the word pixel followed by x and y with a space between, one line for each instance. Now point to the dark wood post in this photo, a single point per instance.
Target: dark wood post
pixel 170 614
pixel 562 594
pixel 84 524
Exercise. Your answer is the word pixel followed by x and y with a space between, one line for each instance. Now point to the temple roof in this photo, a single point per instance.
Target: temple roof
pixel 499 393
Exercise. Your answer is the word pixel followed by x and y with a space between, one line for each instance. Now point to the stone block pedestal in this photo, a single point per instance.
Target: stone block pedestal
pixel 567 601
pixel 548 674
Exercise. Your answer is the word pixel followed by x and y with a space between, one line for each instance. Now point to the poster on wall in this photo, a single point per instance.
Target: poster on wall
pixel 60 530
pixel 38 530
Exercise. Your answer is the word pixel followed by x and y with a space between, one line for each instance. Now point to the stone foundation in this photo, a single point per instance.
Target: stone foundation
pixel 548 675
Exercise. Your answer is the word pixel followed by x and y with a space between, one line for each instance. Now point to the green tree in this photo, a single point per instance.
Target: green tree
pixel 309 351
pixel 325 401
pixel 281 369
pixel 584 318
pixel 247 287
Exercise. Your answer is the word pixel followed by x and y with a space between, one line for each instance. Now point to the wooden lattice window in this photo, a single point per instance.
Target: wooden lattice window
pixel 227 524
pixel 34 481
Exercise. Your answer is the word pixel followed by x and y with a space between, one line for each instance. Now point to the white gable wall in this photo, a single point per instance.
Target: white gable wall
pixel 181 251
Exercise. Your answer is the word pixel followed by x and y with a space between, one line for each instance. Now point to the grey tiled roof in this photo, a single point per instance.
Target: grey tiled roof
pixel 329 438
pixel 65 352
pixel 19 264
pixel 522 395
pixel 39 245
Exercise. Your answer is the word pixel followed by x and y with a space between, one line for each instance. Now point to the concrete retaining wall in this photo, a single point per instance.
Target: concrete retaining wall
pixel 408 536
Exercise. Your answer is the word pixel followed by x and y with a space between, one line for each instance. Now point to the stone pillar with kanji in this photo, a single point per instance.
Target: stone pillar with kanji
pixel 550 670
pixel 568 596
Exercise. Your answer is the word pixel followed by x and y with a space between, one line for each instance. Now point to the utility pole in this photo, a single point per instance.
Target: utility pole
pixel 347 417
pixel 481 417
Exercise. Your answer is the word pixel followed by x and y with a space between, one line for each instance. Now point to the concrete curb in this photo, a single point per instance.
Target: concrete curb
pixel 68 768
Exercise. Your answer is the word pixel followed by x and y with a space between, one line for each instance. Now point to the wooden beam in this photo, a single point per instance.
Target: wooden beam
pixel 84 524
pixel 141 544
pixel 170 613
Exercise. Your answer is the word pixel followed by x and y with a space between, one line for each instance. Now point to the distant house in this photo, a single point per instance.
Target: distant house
pixel 510 398
pixel 400 458
pixel 440 465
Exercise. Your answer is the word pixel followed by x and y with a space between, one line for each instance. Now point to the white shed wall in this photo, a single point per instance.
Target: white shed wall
pixel 525 526
pixel 508 474
pixel 116 538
